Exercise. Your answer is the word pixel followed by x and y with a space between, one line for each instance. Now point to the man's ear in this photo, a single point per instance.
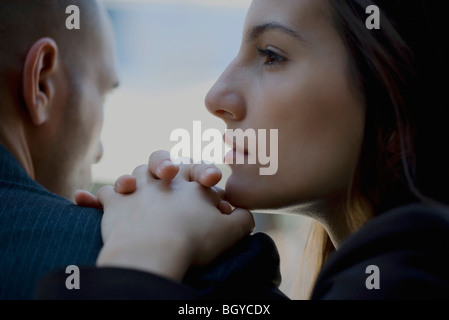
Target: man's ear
pixel 38 81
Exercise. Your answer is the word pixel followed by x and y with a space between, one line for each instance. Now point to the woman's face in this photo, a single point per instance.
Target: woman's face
pixel 291 74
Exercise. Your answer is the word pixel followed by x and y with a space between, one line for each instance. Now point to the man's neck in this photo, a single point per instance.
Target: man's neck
pixel 13 138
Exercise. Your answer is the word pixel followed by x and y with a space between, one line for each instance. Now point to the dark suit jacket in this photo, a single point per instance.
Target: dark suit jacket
pixel 408 245
pixel 39 231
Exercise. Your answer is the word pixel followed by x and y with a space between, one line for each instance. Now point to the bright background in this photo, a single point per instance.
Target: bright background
pixel 170 53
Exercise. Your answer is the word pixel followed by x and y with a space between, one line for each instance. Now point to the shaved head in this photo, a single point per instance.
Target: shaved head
pixel 53 84
pixel 23 22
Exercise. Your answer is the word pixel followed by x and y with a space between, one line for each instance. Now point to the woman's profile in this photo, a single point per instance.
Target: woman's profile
pixel 361 115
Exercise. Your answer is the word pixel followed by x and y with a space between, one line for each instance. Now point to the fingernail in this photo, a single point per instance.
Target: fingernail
pixel 210 171
pixel 225 207
pixel 163 165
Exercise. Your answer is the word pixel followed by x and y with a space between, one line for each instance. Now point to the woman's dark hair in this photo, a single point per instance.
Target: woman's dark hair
pixel 400 71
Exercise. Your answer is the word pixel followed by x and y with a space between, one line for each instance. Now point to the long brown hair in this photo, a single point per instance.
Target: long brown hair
pixel 400 71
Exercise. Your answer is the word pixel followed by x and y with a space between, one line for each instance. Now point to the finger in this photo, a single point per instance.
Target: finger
pixel 184 171
pixel 225 207
pixel 104 195
pixel 220 191
pixel 86 199
pixel 125 184
pixel 142 174
pixel 205 174
pixel 161 166
pixel 210 194
pixel 242 222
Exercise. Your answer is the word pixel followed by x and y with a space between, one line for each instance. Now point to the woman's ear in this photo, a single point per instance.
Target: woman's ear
pixel 39 68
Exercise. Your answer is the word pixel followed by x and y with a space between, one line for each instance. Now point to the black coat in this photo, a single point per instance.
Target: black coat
pixel 398 255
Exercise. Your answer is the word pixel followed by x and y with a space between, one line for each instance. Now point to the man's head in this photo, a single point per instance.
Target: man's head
pixel 53 82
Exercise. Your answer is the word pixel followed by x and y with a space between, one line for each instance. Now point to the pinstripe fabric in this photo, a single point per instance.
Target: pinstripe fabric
pixel 39 231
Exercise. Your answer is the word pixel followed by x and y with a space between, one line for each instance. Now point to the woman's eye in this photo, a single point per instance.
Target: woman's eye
pixel 271 58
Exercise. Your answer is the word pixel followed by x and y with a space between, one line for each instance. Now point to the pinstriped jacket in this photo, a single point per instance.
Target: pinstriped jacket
pixel 39 231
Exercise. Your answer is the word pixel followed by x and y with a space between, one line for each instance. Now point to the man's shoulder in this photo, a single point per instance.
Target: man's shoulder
pixel 20 197
pixel 39 231
pixel 19 193
pixel 29 213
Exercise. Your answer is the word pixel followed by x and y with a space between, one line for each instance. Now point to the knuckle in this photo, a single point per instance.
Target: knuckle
pixel 104 191
pixel 158 153
pixel 140 169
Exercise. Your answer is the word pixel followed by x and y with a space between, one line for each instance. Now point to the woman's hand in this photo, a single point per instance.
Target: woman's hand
pixel 161 167
pixel 164 226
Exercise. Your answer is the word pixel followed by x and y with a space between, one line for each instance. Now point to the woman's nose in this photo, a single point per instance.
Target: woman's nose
pixel 226 98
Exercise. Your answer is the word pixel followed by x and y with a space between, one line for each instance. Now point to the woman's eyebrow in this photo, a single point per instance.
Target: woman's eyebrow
pixel 255 32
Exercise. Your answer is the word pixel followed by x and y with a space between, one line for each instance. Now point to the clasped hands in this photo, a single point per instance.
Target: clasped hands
pixel 165 218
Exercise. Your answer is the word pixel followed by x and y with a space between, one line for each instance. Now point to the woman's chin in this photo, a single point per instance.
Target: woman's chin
pixel 246 194
pixel 264 194
pixel 239 195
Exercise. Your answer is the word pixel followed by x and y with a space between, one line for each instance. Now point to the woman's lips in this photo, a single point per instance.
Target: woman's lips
pixel 229 141
pixel 237 155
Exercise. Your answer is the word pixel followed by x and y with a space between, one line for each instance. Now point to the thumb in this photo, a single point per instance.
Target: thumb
pixel 86 199
pixel 241 222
